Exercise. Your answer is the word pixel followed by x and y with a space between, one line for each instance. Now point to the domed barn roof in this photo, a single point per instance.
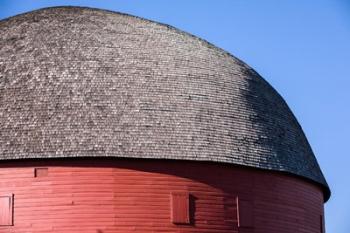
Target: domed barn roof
pixel 81 82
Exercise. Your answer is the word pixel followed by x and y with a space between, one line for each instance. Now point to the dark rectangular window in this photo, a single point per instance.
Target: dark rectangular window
pixel 6 210
pixel 180 208
pixel 245 213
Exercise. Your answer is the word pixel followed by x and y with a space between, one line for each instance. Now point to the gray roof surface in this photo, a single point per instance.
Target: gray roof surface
pixel 82 82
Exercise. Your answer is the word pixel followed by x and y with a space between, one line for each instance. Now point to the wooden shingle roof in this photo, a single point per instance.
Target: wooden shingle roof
pixel 81 82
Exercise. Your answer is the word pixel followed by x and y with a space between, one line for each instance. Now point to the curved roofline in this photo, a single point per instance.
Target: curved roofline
pixel 325 187
pixel 325 190
pixel 175 29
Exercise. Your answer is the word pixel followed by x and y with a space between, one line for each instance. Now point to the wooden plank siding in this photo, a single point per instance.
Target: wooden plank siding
pixel 121 195
pixel 6 210
pixel 180 208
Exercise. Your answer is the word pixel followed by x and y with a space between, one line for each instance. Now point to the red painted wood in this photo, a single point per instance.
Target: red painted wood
pixel 6 204
pixel 321 224
pixel 120 196
pixel 41 171
pixel 245 212
pixel 180 208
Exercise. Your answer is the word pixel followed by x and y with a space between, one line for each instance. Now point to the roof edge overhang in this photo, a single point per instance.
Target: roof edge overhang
pixel 325 189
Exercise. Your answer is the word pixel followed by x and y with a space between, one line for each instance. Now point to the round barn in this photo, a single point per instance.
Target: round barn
pixel 113 123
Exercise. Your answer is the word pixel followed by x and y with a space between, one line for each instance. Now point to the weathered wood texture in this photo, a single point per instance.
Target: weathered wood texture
pixel 78 82
pixel 107 196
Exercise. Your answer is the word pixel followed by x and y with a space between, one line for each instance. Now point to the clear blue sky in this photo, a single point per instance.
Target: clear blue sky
pixel 301 47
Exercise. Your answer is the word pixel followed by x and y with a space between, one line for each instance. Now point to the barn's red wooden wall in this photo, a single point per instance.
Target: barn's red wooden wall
pixel 105 196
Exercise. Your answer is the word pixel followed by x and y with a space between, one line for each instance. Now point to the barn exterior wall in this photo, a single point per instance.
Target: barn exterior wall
pixel 111 195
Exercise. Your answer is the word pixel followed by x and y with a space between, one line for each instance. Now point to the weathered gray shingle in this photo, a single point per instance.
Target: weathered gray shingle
pixel 80 82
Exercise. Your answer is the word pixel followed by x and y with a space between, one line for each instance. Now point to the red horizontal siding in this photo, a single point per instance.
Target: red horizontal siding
pixel 107 196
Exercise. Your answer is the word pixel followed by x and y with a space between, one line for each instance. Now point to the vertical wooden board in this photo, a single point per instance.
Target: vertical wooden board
pixel 321 224
pixel 6 210
pixel 245 213
pixel 180 211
